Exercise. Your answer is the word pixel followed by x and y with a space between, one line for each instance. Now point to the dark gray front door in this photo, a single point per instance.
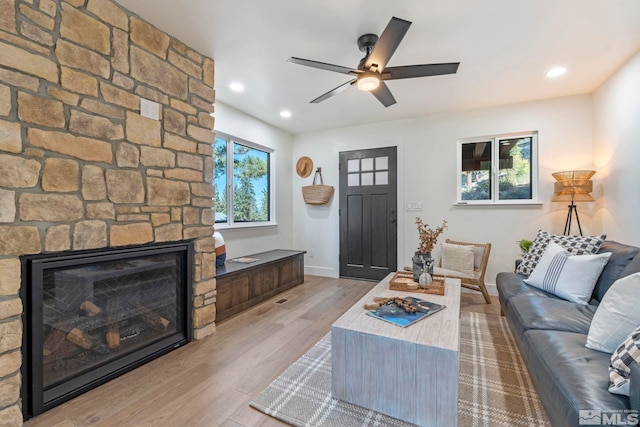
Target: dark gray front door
pixel 368 216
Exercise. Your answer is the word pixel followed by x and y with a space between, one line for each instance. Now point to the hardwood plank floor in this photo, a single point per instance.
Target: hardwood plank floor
pixel 211 382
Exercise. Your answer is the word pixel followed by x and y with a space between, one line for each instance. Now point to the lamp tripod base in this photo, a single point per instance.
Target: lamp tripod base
pixel 567 225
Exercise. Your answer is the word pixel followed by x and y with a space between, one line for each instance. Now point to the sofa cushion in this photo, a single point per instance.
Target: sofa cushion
pixel 634 387
pixel 545 313
pixel 632 267
pixel 577 245
pixel 617 315
pixel 626 355
pixel 510 285
pixel 621 256
pixel 571 277
pixel 568 376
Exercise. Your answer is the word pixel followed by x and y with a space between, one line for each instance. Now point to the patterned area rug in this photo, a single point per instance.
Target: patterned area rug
pixel 494 386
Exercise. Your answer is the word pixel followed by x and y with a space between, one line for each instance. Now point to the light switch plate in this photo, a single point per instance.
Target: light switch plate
pixel 149 109
pixel 414 207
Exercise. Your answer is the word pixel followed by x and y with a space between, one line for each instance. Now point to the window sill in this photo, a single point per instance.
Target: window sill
pixel 499 204
pixel 244 226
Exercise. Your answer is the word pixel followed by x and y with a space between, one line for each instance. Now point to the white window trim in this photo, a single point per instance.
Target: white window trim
pixel 231 224
pixel 495 170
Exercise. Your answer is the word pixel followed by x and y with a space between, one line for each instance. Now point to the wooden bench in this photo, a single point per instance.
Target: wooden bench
pixel 243 285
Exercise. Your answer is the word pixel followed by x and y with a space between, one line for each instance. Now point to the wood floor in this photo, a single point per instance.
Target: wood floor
pixel 211 382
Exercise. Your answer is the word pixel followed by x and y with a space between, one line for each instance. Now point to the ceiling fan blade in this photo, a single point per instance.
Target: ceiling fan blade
pixel 333 92
pixel 424 70
pixel 387 43
pixel 323 66
pixel 384 95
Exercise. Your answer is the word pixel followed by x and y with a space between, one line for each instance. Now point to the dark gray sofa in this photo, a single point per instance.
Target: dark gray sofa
pixel 551 334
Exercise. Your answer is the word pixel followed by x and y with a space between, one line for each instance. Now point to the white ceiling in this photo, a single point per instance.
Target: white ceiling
pixel 504 47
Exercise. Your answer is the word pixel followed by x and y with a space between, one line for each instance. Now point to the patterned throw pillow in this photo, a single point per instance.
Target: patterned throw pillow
pixel 625 355
pixel 575 245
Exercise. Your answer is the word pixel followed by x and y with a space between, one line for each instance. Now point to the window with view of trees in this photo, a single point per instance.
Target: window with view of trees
pixel 242 177
pixel 498 169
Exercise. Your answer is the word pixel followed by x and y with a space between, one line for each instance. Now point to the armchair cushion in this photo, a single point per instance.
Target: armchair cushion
pixel 458 258
pixel 439 271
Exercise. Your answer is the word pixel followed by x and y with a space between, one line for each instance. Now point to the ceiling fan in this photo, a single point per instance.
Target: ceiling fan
pixel 372 71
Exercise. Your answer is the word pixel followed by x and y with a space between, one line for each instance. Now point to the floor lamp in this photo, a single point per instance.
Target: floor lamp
pixel 573 186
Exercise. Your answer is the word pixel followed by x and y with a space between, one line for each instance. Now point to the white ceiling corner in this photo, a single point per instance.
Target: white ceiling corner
pixel 504 47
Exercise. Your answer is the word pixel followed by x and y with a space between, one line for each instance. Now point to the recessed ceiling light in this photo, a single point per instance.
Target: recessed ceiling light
pixel 236 87
pixel 286 114
pixel 556 72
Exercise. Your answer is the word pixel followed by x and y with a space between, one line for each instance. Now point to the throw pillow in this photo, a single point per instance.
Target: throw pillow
pixel 625 355
pixel 616 316
pixel 571 277
pixel 576 245
pixel 458 258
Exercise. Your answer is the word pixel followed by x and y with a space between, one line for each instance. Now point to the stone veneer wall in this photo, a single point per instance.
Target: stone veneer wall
pixel 80 168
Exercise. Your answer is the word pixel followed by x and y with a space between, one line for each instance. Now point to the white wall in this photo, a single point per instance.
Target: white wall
pixel 248 241
pixel 427 172
pixel 617 152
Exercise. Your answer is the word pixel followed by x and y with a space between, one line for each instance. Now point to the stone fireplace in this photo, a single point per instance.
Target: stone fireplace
pixel 81 168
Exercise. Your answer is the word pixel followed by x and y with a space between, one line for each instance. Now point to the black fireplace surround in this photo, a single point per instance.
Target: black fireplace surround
pixel 91 316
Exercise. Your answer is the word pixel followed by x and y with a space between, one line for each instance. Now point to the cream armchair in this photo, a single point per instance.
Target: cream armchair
pixel 467 262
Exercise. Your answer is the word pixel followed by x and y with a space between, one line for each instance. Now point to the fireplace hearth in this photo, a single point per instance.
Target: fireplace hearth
pixel 94 315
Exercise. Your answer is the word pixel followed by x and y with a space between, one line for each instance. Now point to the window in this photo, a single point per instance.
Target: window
pixel 498 169
pixel 242 178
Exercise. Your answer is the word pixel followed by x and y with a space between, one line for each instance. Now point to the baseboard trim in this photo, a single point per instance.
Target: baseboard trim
pixel 320 271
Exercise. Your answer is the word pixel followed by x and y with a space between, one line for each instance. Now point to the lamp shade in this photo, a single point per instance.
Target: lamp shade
pixel 573 186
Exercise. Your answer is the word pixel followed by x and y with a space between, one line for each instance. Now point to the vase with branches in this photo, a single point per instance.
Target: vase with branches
pixel 422 259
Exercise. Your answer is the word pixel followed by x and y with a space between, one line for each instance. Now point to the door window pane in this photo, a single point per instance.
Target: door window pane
pixel 367 164
pixel 382 178
pixel 382 163
pixel 475 180
pixel 353 165
pixel 353 180
pixel 367 178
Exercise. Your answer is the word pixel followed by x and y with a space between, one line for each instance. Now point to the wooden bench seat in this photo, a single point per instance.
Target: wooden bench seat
pixel 243 285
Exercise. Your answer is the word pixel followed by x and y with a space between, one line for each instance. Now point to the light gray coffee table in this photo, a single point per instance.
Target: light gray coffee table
pixel 407 373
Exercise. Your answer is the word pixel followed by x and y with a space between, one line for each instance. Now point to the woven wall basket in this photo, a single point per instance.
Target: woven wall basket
pixel 317 194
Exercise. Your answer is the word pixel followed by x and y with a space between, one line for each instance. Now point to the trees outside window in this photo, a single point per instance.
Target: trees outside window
pixel 242 177
pixel 498 169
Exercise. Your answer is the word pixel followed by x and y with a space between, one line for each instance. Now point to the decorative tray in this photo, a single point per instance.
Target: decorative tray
pixel 403 281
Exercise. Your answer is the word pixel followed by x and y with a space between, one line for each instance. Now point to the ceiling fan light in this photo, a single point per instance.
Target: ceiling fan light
pixel 368 83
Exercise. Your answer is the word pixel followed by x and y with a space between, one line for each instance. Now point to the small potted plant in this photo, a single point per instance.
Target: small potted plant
pixel 525 245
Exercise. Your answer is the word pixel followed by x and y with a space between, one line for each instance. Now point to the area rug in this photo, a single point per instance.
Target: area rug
pixel 494 386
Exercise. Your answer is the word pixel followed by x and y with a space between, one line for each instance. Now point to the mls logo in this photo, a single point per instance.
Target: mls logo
pixel 588 417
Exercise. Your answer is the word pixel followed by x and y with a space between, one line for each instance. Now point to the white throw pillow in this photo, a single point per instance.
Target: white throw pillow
pixel 458 258
pixel 625 355
pixel 571 277
pixel 617 315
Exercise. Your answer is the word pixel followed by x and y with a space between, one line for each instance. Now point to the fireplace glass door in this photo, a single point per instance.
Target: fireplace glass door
pixel 94 316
